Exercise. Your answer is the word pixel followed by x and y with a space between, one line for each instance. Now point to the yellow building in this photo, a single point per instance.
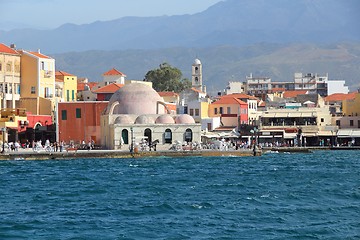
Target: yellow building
pixel 69 91
pixel 351 107
pixel 9 76
pixel 37 83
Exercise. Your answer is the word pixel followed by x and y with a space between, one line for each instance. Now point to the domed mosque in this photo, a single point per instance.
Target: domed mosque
pixel 136 111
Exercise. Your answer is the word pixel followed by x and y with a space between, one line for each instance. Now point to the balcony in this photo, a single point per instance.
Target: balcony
pixel 48 74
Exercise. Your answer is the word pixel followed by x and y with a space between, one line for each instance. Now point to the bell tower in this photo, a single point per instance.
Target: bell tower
pixel 196 75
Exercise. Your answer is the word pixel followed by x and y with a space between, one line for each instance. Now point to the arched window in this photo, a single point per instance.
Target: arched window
pixel 188 135
pixel 168 136
pixel 147 133
pixel 125 136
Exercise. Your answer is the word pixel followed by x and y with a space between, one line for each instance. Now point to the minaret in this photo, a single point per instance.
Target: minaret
pixel 196 75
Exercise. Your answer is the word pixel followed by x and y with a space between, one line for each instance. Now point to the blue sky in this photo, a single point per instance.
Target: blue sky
pixel 44 14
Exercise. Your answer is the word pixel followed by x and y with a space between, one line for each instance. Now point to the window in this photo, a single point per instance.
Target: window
pixel 42 66
pixel 191 112
pixel 215 111
pixel 8 67
pixel 168 136
pixel 322 120
pixel 351 123
pixel 358 123
pixel 72 94
pixel 228 110
pixel 63 115
pixel 67 95
pixel 0 66
pixel 221 110
pixel 197 112
pixel 78 113
pixel 338 123
pixel 185 110
pixel 33 90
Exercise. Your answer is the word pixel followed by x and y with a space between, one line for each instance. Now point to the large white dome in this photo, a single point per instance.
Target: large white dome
pixel 136 98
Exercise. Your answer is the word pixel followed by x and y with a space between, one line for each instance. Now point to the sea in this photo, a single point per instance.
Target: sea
pixel 274 196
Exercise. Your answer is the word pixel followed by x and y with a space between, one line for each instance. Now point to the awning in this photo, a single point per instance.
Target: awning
pixel 344 133
pixel 348 133
pixel 307 114
pixel 289 135
pixel 281 115
pixel 326 133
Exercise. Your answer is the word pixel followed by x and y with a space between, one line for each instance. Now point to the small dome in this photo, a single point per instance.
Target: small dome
pixel 197 61
pixel 184 119
pixel 144 119
pixel 124 119
pixel 165 119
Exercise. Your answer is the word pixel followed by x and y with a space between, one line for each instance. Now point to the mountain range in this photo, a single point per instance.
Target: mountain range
pixel 232 38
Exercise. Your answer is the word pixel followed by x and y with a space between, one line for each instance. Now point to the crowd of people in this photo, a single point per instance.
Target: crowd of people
pixel 48 146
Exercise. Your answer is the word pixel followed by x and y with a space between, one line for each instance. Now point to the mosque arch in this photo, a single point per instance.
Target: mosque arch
pixel 148 134
pixel 125 136
pixel 168 136
pixel 164 105
pixel 112 107
pixel 188 135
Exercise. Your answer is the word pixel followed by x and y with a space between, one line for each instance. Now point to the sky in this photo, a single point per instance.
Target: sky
pixel 49 14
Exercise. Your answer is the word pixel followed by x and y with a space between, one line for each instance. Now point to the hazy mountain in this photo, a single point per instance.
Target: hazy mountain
pixel 224 63
pixel 231 22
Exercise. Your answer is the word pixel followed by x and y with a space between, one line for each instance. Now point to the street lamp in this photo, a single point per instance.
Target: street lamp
pixel 3 130
pixel 132 140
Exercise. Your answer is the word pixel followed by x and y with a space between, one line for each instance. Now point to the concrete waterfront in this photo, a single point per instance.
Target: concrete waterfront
pixel 29 154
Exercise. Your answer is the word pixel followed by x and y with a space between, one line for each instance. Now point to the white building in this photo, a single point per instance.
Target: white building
pixel 136 111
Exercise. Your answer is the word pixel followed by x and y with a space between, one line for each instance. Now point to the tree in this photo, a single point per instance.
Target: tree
pixel 167 78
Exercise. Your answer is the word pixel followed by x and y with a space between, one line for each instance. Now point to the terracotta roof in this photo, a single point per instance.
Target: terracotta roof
pixel 278 90
pixel 294 93
pixel 113 72
pixel 81 86
pixel 6 49
pixel 39 55
pixel 111 88
pixel 240 95
pixel 229 100
pixel 62 73
pixel 338 97
pixel 59 80
pixel 168 94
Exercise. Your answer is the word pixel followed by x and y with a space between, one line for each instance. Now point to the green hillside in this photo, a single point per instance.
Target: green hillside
pixel 224 63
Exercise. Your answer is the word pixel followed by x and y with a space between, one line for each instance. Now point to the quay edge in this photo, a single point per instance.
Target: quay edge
pixel 123 154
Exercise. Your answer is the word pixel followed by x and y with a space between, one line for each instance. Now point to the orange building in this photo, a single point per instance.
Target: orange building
pixel 80 121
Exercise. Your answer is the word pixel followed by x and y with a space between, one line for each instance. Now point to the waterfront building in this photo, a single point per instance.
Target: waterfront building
pixel 307 125
pixel 78 121
pixel 69 91
pixel 335 101
pixel 136 112
pixel 351 107
pixel 9 76
pixel 37 83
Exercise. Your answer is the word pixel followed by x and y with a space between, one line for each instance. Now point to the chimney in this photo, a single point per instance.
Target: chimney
pixel 13 46
pixel 38 50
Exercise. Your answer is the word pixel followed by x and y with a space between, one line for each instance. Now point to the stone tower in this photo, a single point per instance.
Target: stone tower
pixel 196 75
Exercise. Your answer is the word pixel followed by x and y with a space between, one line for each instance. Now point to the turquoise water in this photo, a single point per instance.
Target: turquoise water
pixel 276 196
